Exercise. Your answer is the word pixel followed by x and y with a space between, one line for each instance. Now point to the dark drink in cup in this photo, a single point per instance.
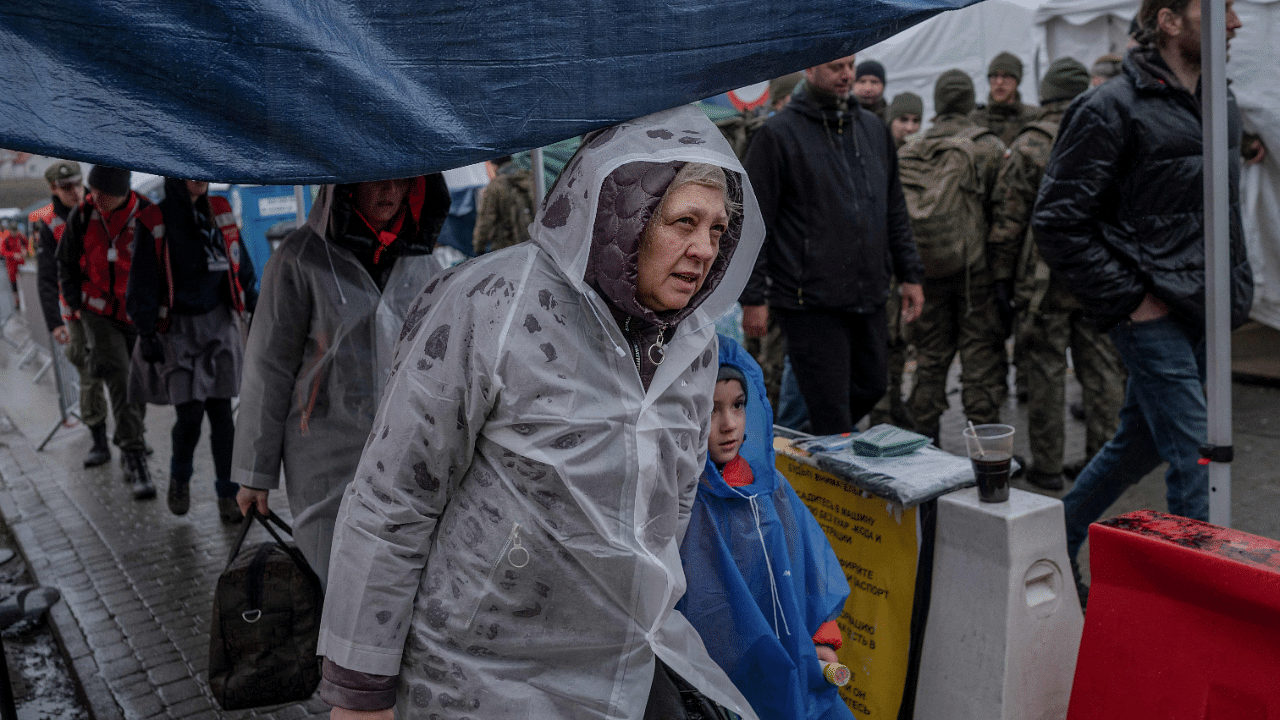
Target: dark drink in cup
pixel 991 450
pixel 992 474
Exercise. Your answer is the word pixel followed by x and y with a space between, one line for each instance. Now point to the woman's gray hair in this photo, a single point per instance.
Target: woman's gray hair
pixel 707 175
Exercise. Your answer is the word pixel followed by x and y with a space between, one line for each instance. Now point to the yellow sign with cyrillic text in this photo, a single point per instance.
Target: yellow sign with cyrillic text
pixel 877 547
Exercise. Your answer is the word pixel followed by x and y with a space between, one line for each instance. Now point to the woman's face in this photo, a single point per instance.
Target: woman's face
pixel 679 245
pixel 196 188
pixel 379 201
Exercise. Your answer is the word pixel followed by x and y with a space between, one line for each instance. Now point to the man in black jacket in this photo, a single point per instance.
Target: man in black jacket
pixel 826 175
pixel 1120 219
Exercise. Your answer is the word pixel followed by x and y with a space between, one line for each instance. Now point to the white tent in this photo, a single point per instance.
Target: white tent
pixel 1085 29
pixel 966 39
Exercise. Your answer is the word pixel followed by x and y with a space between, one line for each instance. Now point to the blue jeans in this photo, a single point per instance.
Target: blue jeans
pixel 792 412
pixel 1164 418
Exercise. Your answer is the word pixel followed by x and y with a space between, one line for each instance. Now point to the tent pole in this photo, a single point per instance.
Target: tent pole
pixel 539 174
pixel 300 204
pixel 1217 244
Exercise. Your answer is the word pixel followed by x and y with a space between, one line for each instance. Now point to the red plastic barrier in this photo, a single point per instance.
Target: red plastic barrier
pixel 1183 623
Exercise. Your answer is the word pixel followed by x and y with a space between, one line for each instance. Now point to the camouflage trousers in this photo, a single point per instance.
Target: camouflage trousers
pixel 93 400
pixel 892 408
pixel 1102 376
pixel 770 352
pixel 959 315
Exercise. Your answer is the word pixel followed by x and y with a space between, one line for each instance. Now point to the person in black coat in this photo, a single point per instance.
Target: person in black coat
pixel 189 294
pixel 1119 218
pixel 826 174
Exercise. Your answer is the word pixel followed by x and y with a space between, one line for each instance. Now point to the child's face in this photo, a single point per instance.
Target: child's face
pixel 728 421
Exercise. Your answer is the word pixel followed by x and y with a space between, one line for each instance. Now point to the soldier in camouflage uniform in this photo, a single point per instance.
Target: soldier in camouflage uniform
pixel 1050 318
pixel 903 117
pixel 1004 114
pixel 959 310
pixel 868 86
pixel 505 210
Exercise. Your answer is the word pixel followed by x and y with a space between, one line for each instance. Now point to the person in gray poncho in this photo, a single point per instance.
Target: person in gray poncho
pixel 509 547
pixel 334 297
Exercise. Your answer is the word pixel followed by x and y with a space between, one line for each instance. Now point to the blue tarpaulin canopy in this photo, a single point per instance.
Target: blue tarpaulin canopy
pixel 307 91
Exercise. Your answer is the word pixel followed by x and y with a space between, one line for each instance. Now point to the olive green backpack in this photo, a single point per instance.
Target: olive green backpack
pixel 943 189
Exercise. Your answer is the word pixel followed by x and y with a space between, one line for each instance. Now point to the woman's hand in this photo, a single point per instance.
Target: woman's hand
pixel 826 654
pixel 345 714
pixel 251 496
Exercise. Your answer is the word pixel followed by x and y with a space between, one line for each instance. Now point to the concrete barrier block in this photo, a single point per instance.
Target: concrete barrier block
pixel 1184 622
pixel 1004 622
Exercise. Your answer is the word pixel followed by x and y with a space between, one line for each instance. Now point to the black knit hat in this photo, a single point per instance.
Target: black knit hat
pixel 870 67
pixel 1007 63
pixel 953 94
pixel 729 372
pixel 112 181
pixel 907 103
pixel 1065 79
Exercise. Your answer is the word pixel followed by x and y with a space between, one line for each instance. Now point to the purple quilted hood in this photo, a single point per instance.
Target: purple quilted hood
pixel 593 218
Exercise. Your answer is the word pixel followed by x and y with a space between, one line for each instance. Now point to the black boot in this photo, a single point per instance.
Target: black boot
pixel 139 476
pixel 100 453
pixel 179 497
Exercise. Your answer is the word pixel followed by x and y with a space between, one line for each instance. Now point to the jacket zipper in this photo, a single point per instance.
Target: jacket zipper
pixel 510 546
pixel 635 345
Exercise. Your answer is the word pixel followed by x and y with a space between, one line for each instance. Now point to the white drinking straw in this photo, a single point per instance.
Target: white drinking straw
pixel 981 453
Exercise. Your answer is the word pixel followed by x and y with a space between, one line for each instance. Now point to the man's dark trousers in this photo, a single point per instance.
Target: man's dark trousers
pixel 840 362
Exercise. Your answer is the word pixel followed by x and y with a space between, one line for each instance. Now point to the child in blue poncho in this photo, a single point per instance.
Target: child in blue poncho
pixel 764 585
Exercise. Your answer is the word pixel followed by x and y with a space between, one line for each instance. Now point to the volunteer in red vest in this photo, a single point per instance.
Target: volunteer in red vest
pixel 188 295
pixel 67 186
pixel 13 245
pixel 93 271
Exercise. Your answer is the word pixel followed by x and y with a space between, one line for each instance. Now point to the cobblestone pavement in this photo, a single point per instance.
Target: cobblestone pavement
pixel 138 582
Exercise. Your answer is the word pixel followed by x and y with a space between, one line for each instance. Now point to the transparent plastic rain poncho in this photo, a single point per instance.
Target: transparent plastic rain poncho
pixel 318 356
pixel 510 544
pixel 762 575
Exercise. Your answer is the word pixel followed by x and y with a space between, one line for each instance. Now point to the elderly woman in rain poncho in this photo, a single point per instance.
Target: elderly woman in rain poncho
pixel 334 297
pixel 509 547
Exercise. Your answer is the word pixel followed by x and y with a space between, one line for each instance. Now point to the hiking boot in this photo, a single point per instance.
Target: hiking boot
pixel 1022 466
pixel 179 497
pixel 229 510
pixel 1046 481
pixel 100 453
pixel 1071 470
pixel 139 476
pixel 1082 590
pixel 1077 411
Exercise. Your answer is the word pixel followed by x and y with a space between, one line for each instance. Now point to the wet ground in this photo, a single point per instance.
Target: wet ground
pixel 43 686
pixel 138 582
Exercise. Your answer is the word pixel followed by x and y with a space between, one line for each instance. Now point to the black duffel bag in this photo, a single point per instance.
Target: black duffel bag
pixel 266 623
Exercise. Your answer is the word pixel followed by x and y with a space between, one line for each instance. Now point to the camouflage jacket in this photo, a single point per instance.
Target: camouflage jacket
pixel 506 209
pixel 1011 251
pixel 989 153
pixel 1004 119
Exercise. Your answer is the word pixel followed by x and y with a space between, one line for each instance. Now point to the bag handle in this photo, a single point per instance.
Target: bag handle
pixel 293 553
pixel 253 515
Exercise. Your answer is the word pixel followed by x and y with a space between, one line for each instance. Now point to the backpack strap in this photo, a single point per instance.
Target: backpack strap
pixel 1047 128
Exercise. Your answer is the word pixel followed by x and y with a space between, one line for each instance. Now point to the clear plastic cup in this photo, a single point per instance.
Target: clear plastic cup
pixel 991 452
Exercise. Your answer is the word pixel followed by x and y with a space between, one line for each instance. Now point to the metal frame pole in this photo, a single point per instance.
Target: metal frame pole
pixel 539 174
pixel 300 212
pixel 1217 246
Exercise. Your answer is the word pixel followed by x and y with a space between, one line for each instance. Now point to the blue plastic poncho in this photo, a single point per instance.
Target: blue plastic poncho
pixel 761 575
